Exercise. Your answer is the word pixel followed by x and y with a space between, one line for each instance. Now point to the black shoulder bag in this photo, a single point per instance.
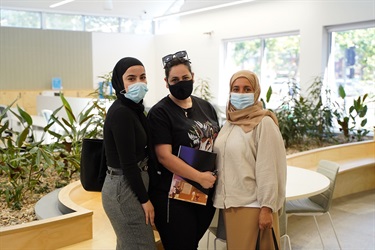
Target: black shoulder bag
pixel 93 164
pixel 257 247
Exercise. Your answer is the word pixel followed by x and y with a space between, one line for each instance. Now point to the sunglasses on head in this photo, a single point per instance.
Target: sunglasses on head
pixel 180 54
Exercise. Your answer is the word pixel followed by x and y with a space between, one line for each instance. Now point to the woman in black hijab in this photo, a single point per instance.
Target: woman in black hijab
pixel 126 137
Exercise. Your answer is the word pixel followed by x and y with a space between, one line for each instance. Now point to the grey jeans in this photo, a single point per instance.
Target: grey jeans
pixel 126 214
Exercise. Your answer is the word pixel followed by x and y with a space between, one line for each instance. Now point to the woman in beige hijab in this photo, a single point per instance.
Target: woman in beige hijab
pixel 251 167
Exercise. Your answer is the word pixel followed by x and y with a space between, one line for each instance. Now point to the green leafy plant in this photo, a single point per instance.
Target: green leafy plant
pixel 310 120
pixel 320 114
pixel 292 119
pixel 349 121
pixel 305 120
pixel 342 118
pixel 24 160
pixel 202 89
pixel 358 111
pixel 87 124
pixel 105 90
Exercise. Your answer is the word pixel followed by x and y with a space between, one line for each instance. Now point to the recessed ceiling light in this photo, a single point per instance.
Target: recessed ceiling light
pixel 60 3
pixel 219 6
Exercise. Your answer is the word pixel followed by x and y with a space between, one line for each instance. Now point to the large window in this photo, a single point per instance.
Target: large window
pixel 102 24
pixel 273 58
pixel 63 21
pixel 135 26
pixel 351 66
pixel 40 20
pixel 22 19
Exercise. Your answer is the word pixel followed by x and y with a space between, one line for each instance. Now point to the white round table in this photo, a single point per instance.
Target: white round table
pixel 303 183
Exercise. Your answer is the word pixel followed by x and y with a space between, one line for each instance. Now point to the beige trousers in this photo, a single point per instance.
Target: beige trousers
pixel 242 228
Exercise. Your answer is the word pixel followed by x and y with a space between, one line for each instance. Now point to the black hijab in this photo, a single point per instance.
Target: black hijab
pixel 118 84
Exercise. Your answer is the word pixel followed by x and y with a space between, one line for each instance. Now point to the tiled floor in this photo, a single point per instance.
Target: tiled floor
pixel 354 220
pixel 353 217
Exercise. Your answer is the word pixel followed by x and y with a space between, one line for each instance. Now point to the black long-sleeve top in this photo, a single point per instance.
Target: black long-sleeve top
pixel 125 141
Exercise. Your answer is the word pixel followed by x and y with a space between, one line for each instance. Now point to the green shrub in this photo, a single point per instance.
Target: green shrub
pixel 310 120
pixel 24 160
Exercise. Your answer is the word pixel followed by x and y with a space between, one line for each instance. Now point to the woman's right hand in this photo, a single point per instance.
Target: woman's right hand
pixel 148 208
pixel 206 179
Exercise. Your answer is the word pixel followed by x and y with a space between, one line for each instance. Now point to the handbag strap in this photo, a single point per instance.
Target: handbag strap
pixel 257 246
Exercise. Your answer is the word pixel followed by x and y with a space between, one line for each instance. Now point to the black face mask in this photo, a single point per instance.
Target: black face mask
pixel 182 89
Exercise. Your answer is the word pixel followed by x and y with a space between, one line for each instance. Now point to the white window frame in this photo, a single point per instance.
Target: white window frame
pixel 327 50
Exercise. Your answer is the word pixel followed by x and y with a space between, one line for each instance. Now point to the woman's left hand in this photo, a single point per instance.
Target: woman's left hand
pixel 265 218
pixel 148 208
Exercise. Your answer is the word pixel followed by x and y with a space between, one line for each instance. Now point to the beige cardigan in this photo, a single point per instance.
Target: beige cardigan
pixel 252 166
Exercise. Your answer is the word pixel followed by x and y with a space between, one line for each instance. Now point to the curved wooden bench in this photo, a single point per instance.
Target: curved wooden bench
pixel 85 226
pixel 357 165
pixel 49 233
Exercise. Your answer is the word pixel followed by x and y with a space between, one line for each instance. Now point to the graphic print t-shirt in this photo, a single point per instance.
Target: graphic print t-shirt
pixel 196 127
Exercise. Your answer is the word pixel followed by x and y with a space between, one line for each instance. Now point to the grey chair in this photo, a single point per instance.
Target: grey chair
pixel 46 113
pixel 319 204
pixel 218 231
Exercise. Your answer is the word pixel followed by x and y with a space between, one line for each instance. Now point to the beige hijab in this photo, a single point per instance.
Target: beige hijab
pixel 248 118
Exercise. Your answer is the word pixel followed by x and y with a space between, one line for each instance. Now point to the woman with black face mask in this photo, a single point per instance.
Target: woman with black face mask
pixel 181 119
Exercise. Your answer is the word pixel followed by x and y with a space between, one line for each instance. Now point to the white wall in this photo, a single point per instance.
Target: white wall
pixel 109 48
pixel 201 51
pixel 251 19
pixel 258 18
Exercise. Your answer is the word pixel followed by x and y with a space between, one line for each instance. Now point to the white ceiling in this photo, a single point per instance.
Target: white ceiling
pixel 142 9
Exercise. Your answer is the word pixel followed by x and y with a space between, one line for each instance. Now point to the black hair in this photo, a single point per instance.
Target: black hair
pixel 120 68
pixel 174 62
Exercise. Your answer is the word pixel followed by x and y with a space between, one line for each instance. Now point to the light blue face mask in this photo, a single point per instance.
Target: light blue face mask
pixel 136 92
pixel 241 101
